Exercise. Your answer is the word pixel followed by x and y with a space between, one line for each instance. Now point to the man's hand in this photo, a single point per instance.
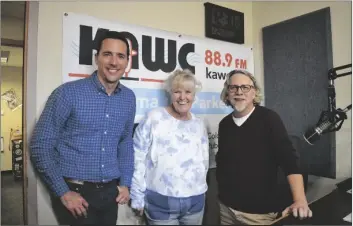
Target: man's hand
pixel 299 209
pixel 74 202
pixel 124 195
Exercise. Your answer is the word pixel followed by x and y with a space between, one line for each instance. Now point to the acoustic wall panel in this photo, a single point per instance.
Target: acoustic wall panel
pixel 297 57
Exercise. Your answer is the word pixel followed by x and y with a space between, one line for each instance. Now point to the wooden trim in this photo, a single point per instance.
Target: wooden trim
pixel 30 106
pixel 30 102
pixel 12 42
pixel 24 118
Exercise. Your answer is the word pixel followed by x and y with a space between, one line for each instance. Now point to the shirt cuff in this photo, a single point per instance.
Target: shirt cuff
pixel 125 181
pixel 61 189
pixel 137 204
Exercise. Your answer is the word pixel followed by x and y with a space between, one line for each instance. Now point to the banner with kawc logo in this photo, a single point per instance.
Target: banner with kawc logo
pixel 154 55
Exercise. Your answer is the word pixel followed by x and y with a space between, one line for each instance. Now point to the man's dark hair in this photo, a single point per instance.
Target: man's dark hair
pixel 112 35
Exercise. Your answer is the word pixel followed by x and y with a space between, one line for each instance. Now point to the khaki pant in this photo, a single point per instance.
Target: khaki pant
pixel 234 217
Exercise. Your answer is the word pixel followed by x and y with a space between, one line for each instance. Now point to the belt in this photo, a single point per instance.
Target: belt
pixel 80 182
pixel 73 181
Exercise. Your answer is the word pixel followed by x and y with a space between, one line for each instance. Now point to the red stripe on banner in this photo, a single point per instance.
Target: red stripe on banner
pixel 151 80
pixel 127 78
pixel 78 75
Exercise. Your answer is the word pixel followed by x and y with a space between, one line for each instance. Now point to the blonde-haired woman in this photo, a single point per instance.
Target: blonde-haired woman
pixel 171 158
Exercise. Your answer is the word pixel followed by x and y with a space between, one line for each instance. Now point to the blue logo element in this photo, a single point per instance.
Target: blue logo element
pixel 205 102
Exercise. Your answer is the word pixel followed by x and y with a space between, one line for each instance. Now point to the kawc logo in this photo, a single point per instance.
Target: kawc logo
pixel 87 45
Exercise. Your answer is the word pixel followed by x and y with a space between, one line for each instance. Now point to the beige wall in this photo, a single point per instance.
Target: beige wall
pixel 267 13
pixel 185 17
pixel 11 78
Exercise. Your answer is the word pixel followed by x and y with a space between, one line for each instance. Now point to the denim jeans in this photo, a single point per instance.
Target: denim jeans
pixel 165 210
pixel 102 209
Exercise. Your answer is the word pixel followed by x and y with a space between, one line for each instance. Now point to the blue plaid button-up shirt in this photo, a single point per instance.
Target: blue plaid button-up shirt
pixel 85 134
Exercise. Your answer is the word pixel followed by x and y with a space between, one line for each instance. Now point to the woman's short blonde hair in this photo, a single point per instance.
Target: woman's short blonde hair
pixel 179 77
pixel 224 94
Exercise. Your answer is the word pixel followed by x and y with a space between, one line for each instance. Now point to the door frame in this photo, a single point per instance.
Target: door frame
pixel 30 198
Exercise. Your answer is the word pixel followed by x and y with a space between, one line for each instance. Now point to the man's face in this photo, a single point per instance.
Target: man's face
pixel 241 100
pixel 112 60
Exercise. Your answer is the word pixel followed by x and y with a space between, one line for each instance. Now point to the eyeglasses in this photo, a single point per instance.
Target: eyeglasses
pixel 244 88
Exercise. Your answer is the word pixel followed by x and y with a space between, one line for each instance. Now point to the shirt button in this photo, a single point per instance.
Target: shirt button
pixel 102 166
pixel 107 115
pixel 103 149
pixel 105 132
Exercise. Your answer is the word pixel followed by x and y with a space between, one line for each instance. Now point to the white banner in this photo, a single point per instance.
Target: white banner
pixel 155 54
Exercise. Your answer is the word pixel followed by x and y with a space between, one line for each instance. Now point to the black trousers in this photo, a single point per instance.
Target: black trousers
pixel 102 209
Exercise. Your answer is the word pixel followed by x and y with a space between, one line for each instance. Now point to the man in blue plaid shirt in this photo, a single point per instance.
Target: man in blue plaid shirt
pixel 82 143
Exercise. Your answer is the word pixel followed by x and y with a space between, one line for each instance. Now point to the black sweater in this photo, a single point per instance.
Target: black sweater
pixel 248 158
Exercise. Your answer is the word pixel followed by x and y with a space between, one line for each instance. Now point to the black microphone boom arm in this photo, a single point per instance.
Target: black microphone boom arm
pixel 332 75
pixel 331 120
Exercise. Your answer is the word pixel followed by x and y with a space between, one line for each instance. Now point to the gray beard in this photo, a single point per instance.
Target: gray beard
pixel 239 108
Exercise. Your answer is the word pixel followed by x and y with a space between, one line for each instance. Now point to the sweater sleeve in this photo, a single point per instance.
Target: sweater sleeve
pixel 142 142
pixel 286 155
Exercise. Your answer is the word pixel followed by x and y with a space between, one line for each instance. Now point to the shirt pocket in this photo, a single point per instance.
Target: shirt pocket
pixel 118 123
pixel 85 117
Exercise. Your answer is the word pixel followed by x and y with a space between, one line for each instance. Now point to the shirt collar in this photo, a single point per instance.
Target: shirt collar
pixel 99 85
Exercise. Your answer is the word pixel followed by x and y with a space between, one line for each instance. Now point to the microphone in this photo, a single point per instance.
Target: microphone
pixel 328 122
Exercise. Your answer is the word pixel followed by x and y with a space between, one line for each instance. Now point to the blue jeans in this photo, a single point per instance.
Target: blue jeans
pixel 166 210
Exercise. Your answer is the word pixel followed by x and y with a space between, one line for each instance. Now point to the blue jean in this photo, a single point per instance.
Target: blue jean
pixel 165 210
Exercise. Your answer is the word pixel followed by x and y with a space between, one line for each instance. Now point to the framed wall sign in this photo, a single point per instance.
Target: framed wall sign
pixel 224 24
